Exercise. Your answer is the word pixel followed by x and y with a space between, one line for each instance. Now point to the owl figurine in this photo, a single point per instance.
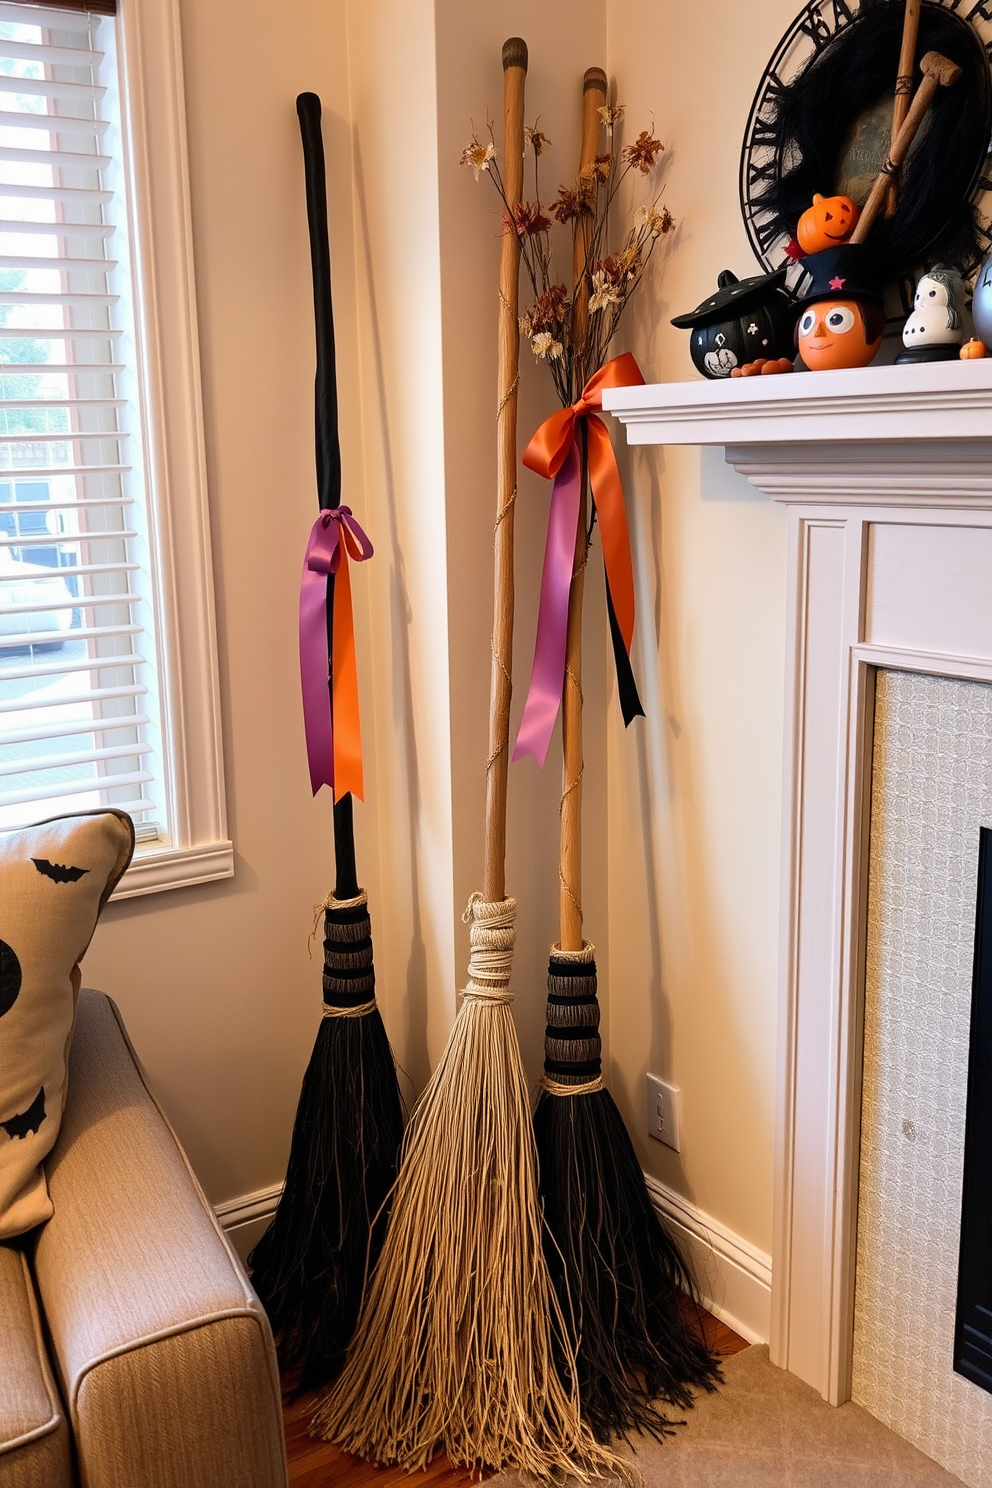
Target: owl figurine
pixel 934 331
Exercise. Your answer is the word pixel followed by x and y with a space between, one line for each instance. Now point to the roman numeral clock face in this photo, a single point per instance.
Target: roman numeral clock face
pixel 795 144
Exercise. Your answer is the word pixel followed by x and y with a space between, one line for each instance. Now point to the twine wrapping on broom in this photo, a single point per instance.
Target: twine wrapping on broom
pixel 492 938
pixel 572 1031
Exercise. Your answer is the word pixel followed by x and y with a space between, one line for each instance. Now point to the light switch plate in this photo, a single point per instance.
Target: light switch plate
pixel 663 1112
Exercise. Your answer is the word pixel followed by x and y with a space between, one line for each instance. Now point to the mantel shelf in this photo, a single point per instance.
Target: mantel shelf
pixel 934 401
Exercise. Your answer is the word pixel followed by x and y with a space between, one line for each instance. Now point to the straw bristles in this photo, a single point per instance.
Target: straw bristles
pixel 456 1346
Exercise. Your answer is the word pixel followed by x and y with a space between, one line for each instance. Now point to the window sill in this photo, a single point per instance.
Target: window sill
pixel 154 870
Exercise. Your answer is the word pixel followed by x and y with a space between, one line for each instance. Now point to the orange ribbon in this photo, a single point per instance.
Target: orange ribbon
pixel 330 713
pixel 348 775
pixel 546 454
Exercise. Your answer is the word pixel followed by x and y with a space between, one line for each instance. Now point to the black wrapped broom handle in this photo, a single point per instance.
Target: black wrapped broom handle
pixel 328 444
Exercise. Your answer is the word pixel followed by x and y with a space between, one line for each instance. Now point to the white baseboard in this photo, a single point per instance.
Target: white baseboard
pixel 733 1276
pixel 246 1219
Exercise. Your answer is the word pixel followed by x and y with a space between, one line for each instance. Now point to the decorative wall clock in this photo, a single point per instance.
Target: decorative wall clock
pixel 821 120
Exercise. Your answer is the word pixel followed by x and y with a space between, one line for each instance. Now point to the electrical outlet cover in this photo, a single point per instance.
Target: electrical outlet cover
pixel 663 1112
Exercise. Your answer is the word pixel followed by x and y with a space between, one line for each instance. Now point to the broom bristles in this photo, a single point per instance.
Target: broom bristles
pixel 619 1275
pixel 460 1333
pixel 609 1254
pixel 309 1267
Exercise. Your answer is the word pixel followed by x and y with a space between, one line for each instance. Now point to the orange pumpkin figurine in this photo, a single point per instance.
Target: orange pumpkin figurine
pixel 828 222
pixel 973 350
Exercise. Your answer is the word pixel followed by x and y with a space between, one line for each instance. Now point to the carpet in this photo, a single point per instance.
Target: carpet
pixel 763 1428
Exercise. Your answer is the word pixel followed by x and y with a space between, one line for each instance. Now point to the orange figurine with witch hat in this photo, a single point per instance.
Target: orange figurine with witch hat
pixel 842 318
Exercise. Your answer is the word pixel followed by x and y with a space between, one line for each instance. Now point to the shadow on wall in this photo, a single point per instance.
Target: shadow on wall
pixel 402 721
pixel 719 481
pixel 686 963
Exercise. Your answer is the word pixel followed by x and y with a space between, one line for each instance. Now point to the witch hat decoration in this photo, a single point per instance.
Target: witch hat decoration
pixel 309 1267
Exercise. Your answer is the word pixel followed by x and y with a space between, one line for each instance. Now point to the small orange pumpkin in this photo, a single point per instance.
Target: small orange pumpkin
pixel 829 221
pixel 973 349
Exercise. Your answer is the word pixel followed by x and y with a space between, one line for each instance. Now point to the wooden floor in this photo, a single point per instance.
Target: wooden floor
pixel 316 1464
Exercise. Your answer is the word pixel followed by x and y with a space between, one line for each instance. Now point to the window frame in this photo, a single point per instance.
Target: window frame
pixel 161 242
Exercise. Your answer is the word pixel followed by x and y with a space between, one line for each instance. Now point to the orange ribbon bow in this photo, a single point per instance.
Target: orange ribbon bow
pixel 546 454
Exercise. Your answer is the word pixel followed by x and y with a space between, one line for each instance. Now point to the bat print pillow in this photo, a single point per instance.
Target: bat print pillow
pixel 54 880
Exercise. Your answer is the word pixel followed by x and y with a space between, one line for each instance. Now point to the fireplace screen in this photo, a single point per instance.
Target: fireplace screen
pixel 973 1326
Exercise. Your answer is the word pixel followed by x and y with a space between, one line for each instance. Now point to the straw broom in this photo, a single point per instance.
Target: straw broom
pixel 309 1267
pixel 617 1272
pixel 456 1345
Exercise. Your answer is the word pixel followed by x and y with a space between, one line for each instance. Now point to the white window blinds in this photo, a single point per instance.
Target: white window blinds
pixel 79 724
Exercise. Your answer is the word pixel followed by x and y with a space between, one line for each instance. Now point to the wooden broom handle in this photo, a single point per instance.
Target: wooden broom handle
pixel 938 72
pixel 904 88
pixel 494 868
pixel 593 99
pixel 570 864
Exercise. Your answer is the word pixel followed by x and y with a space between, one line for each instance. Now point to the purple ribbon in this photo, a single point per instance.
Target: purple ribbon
pixel 548 674
pixel 334 528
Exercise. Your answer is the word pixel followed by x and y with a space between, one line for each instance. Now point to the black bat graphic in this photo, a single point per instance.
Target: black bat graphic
pixel 28 1121
pixel 58 872
pixel 10 977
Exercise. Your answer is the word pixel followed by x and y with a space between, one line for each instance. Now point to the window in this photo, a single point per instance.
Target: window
pixel 108 689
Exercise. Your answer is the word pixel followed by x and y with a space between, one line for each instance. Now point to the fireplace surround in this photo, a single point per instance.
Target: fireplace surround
pixel 973 1323
pixel 887 473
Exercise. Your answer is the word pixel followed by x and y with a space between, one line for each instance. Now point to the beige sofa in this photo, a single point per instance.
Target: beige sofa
pixel 133 1351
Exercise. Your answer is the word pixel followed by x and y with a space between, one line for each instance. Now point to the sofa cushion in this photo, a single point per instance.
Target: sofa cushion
pixel 34 1434
pixel 163 1352
pixel 54 880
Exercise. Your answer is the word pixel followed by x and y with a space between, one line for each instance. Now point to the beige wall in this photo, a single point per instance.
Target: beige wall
pixel 695 797
pixel 215 982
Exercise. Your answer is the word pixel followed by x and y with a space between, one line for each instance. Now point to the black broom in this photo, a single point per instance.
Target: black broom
pixel 309 1267
pixel 619 1276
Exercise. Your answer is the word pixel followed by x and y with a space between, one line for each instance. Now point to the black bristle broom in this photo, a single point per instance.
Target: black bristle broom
pixel 309 1267
pixel 620 1277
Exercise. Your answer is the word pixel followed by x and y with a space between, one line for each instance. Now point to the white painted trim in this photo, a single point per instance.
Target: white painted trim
pixel 734 1277
pixel 175 868
pixel 153 104
pixel 936 400
pixel 839 474
pixel 249 1207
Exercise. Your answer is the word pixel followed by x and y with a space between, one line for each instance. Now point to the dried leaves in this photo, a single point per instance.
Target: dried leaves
pixel 643 153
pixel 574 345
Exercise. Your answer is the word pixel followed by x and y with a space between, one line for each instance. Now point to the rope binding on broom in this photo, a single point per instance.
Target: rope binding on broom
pixel 554 1087
pixel 492 939
pixel 349 975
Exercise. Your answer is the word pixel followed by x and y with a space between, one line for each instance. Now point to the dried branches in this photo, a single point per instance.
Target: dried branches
pixel 609 278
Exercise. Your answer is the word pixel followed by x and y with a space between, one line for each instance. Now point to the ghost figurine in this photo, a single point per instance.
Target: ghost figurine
pixel 934 332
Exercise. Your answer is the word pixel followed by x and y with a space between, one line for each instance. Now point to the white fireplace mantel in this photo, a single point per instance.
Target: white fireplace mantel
pixel 932 401
pixel 887 472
